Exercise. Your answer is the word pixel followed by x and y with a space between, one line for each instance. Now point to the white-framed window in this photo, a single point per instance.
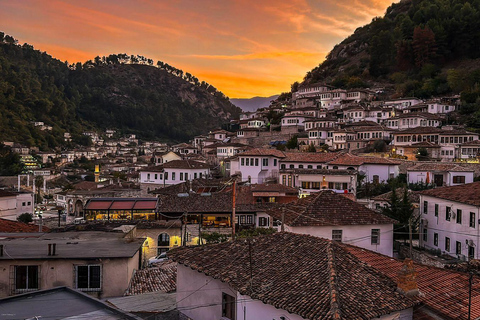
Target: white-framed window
pixel 88 277
pixel 26 278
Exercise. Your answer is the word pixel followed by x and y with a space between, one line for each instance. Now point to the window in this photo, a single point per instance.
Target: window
pixel 26 278
pixel 471 252
pixel 23 204
pixel 425 234
pixel 156 176
pixel 447 244
pixel 459 216
pixel 375 236
pixel 271 199
pixel 458 247
pixel 263 222
pixel 163 240
pixel 435 239
pixel 436 209
pixel 242 161
pixel 284 180
pixel 337 235
pixel 458 179
pixel 275 162
pixel 186 176
pixel 228 306
pixel 173 176
pixel 292 166
pixel 88 278
pixel 448 213
pixel 148 176
pixel 181 176
pixel 425 207
pixel 166 175
pixel 256 162
pixel 195 175
pixel 376 179
pixel 265 162
pixel 283 166
pixel 472 219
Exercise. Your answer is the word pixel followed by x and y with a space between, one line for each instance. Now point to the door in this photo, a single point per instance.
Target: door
pixel 438 180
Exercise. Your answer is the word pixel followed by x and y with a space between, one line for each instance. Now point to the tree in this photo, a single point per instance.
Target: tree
pixel 424 46
pixel 400 210
pixel 311 148
pixel 38 185
pixel 292 143
pixel 25 217
pixel 10 163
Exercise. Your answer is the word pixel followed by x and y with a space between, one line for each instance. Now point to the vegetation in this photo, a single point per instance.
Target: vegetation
pixel 422 154
pixel 129 93
pixel 10 164
pixel 402 211
pixel 421 47
pixel 253 232
pixel 25 217
pixel 214 237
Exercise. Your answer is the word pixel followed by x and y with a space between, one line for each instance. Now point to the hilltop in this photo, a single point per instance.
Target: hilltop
pixel 420 48
pixel 123 92
pixel 252 104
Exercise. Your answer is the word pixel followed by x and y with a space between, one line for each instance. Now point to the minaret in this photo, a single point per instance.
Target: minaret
pixel 97 173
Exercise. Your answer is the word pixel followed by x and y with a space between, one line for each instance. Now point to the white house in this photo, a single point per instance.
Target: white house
pixel 257 165
pixel 375 169
pixel 441 174
pixel 314 180
pixel 173 172
pixel 12 204
pixel 450 217
pixel 330 215
pixel 283 276
pixel 164 157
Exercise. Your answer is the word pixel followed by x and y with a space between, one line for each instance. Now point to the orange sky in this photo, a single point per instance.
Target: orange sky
pixel 244 48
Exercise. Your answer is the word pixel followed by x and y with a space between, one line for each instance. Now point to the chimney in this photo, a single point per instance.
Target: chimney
pixel 407 279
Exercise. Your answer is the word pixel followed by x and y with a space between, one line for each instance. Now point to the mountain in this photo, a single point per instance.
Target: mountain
pixel 122 92
pixel 420 48
pixel 252 104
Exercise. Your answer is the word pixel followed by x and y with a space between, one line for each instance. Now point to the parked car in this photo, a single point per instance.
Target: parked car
pixel 161 257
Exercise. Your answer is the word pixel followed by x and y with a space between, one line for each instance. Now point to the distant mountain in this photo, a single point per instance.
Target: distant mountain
pixel 252 104
pixel 122 92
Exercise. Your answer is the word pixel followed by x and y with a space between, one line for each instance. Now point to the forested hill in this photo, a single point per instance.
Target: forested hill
pixel 123 92
pixel 420 48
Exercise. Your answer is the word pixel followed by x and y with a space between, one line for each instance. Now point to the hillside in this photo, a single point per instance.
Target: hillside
pixel 122 92
pixel 420 48
pixel 252 104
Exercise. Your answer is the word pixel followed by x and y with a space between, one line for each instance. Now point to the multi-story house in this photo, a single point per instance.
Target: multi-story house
pixel 441 174
pixel 257 165
pixel 403 102
pixel 450 217
pixel 314 180
pixel 413 120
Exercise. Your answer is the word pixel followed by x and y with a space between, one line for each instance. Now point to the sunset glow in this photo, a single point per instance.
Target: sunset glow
pixel 244 48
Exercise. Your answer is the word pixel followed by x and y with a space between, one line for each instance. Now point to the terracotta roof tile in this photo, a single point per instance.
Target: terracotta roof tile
pixel 312 277
pixel 9 226
pixel 264 152
pixel 466 193
pixel 327 208
pixel 162 278
pixel 444 291
pixel 352 160
pixel 439 167
pixel 315 157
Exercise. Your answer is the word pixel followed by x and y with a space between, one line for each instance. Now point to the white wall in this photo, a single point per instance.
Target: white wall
pixel 451 229
pixel 249 309
pixel 257 173
pixel 357 235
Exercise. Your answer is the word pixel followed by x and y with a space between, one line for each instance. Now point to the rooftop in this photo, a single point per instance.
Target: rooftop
pixel 72 245
pixel 352 160
pixel 312 277
pixel 311 157
pixel 263 152
pixel 466 193
pixel 161 278
pixel 327 208
pixel 10 226
pixel 122 204
pixel 440 167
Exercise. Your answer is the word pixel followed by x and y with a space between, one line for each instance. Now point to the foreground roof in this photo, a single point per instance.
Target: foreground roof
pixel 466 193
pixel 443 291
pixel 9 226
pixel 348 159
pixel 304 275
pixel 439 167
pixel 161 278
pixel 122 204
pixel 327 208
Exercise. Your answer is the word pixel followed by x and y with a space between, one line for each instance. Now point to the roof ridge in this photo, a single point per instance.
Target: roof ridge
pixel 332 282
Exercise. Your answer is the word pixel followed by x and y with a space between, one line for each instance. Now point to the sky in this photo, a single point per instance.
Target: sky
pixel 244 48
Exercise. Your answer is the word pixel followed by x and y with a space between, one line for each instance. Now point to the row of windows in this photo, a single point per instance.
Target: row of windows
pixel 28 203
pixel 253 162
pixel 87 278
pixel 455 139
pixel 337 235
pixel 458 244
pixel 183 176
pixel 419 138
pixel 458 215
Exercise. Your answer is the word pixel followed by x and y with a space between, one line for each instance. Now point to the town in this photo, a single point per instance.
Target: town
pixel 282 214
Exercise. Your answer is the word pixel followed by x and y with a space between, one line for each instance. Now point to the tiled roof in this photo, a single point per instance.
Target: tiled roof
pixel 352 160
pixel 9 226
pixel 312 277
pixel 471 143
pixel 424 115
pixel 420 130
pixel 315 157
pixel 441 290
pixel 4 194
pixel 264 152
pixel 423 144
pixel 319 171
pixel 274 188
pixel 185 164
pixel 466 193
pixel 327 208
pixel 439 167
pixel 162 277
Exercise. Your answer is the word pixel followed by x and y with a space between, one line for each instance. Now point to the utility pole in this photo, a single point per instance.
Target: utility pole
pixel 233 209
pixel 410 235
